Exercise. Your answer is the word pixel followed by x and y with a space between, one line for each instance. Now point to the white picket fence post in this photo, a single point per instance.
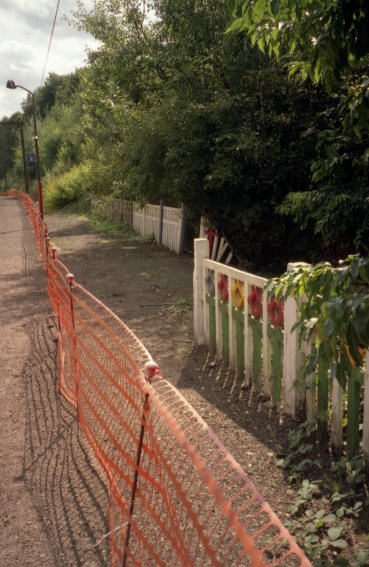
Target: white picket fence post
pixel 366 413
pixel 201 251
pixel 293 358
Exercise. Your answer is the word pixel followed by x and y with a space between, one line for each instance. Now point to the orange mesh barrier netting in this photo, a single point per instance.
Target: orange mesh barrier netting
pixel 177 496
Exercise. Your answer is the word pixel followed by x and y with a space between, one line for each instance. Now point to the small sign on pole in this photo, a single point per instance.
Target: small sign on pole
pixel 31 158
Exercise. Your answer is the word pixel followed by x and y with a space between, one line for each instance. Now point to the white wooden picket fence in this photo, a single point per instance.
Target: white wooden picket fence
pixel 165 224
pixel 244 327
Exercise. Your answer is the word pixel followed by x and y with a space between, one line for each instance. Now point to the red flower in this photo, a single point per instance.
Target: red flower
pixel 255 300
pixel 276 311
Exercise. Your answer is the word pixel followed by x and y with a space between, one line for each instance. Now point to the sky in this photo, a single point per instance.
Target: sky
pixel 24 38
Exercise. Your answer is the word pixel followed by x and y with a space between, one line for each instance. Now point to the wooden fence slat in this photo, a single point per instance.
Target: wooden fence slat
pixel 366 412
pixel 240 344
pixel 224 324
pixel 311 390
pixel 292 362
pixel 218 326
pixel 256 326
pixel 323 390
pixel 266 348
pixel 293 359
pixel 212 325
pixel 353 411
pixel 338 391
pixel 201 251
pixel 246 334
pixel 231 326
pixel 215 246
pixel 277 364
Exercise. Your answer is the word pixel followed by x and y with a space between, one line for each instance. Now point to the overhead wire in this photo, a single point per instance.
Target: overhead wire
pixel 51 38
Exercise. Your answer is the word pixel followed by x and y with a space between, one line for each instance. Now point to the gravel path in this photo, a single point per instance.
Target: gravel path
pixel 53 503
pixel 23 540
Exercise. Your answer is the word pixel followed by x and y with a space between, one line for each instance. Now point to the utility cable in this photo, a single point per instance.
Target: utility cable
pixel 51 38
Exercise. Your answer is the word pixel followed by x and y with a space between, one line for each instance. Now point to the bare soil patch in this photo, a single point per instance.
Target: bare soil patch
pixel 53 502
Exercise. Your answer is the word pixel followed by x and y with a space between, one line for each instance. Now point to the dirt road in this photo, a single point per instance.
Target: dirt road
pixel 53 503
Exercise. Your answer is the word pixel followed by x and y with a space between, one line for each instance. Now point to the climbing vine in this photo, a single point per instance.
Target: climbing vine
pixel 333 311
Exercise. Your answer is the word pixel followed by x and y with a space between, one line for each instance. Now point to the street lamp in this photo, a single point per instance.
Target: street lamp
pixel 12 85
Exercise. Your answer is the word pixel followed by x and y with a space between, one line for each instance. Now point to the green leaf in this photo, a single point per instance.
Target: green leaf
pixel 334 533
pixel 274 7
pixel 259 10
pixel 329 518
pixel 340 543
pixel 355 268
pixel 231 4
pixel 235 26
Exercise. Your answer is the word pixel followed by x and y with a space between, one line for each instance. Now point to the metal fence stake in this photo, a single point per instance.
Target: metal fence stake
pixel 151 369
pixel 70 279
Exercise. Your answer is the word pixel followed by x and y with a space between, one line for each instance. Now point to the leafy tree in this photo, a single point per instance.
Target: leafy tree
pixel 329 37
pixel 327 42
pixel 9 142
pixel 174 109
pixel 57 88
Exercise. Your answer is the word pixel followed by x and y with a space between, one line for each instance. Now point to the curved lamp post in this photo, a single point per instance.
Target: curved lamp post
pixel 12 85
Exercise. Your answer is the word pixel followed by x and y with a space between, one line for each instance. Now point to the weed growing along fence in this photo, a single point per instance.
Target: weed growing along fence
pixel 177 496
pixel 165 224
pixel 249 330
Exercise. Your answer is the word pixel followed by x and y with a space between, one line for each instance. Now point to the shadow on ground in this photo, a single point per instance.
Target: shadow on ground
pixel 249 409
pixel 60 470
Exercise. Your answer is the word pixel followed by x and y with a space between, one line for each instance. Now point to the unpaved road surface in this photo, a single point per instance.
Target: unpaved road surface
pixel 53 502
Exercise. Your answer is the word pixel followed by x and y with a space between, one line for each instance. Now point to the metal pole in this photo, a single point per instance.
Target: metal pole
pixel 38 172
pixel 70 280
pixel 135 482
pixel 151 370
pixel 26 185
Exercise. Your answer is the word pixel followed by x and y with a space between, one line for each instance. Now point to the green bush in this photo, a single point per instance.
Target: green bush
pixel 67 188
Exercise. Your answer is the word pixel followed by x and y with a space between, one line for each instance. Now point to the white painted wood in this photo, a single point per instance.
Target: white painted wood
pixel 223 245
pixel 201 251
pixel 366 413
pixel 247 334
pixel 248 280
pixel 294 395
pixel 218 326
pixel 232 327
pixel 206 309
pixel 251 279
pixel 310 395
pixel 202 233
pixel 266 346
pixel 146 221
pixel 229 258
pixel 337 415
pixel 215 247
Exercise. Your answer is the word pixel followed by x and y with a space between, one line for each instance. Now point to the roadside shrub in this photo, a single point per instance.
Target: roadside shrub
pixel 67 188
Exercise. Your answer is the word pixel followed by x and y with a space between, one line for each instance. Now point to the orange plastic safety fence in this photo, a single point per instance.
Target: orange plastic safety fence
pixel 177 496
